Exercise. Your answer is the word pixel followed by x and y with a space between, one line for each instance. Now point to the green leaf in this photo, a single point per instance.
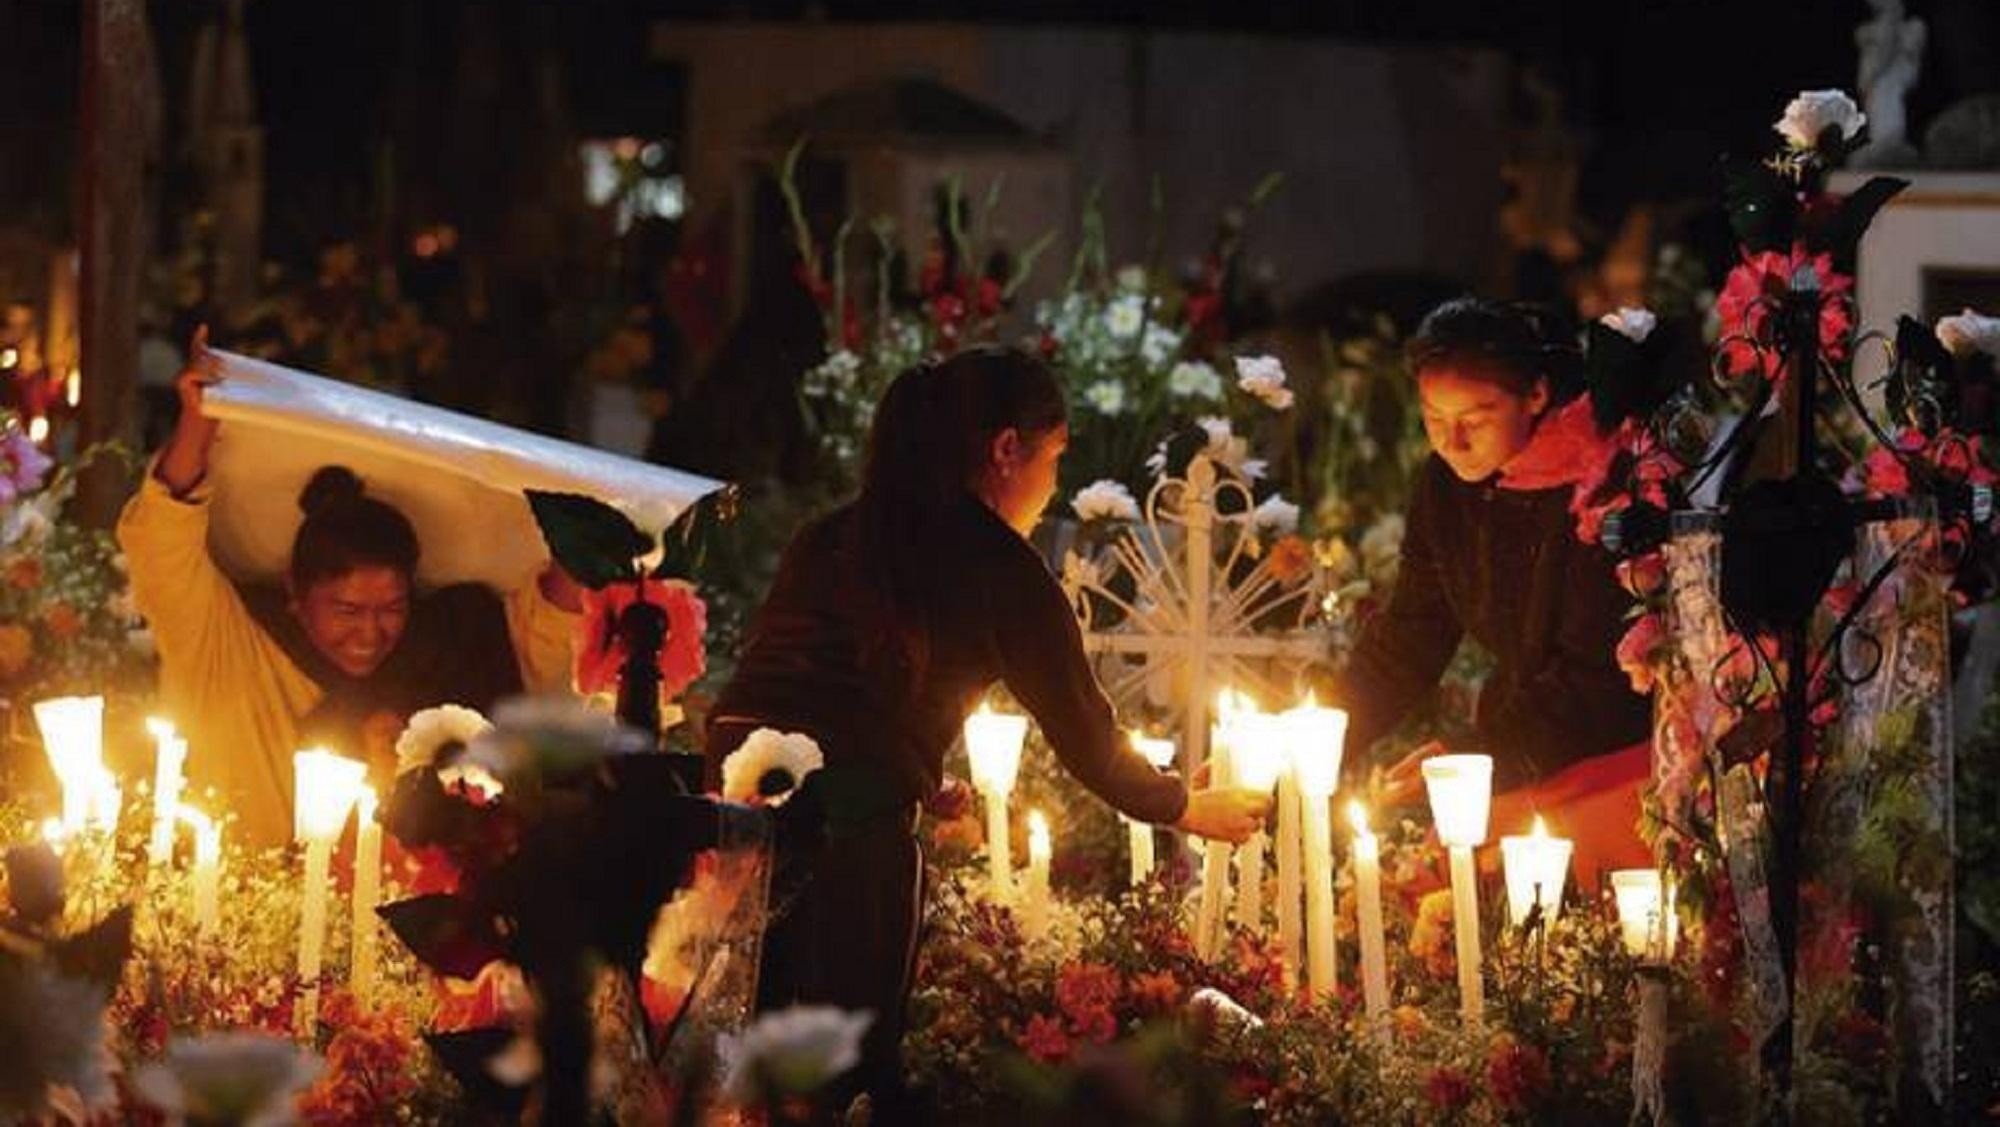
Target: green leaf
pixel 694 534
pixel 1842 236
pixel 595 543
pixel 1760 205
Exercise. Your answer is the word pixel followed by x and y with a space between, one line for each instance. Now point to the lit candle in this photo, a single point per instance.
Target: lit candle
pixel 169 759
pixel 1461 791
pixel 1258 753
pixel 207 879
pixel 367 892
pixel 1159 753
pixel 993 744
pixel 1537 868
pixel 325 788
pixel 1291 882
pixel 1318 738
pixel 1645 913
pixel 73 736
pixel 1035 897
pixel 1368 914
pixel 1215 854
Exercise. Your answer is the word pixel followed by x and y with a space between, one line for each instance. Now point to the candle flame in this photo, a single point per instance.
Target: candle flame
pixel 1541 828
pixel 1358 814
pixel 161 729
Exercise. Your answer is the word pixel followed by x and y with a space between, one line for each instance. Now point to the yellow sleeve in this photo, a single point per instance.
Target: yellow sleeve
pixel 192 608
pixel 544 637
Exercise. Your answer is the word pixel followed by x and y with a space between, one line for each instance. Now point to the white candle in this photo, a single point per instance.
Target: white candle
pixel 993 743
pixel 1159 753
pixel 1035 897
pixel 73 737
pixel 1368 914
pixel 207 879
pixel 1291 882
pixel 1461 792
pixel 1317 738
pixel 1644 913
pixel 1537 868
pixel 324 791
pixel 1258 756
pixel 1215 854
pixel 367 892
pixel 169 761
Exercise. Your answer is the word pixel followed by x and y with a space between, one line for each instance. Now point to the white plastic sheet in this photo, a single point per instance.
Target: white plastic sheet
pixel 459 479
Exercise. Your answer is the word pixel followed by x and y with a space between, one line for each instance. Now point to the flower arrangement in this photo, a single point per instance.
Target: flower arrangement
pixel 67 620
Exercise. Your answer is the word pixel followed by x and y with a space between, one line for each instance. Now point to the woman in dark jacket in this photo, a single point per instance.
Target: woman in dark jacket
pixel 1490 552
pixel 889 618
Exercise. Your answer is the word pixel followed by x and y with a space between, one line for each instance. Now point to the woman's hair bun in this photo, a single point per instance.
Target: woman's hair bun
pixel 330 485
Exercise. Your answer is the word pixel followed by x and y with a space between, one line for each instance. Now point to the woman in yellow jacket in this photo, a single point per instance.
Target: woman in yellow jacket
pixel 342 654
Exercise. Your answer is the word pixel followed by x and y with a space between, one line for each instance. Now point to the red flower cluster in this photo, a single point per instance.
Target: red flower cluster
pixel 1045 1041
pixel 1750 298
pixel 1087 994
pixel 1447 1089
pixel 1517 1072
pixel 602 655
pixel 368 1068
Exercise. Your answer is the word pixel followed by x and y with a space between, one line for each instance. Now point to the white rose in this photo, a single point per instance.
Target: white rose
pixel 764 751
pixel 1193 379
pixel 792 1052
pixel 1276 516
pixel 1105 500
pixel 1125 315
pixel 1264 377
pixel 1634 325
pixel 1970 332
pixel 434 729
pixel 1808 115
pixel 1106 397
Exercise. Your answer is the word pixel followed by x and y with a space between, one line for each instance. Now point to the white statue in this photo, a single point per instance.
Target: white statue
pixel 1892 53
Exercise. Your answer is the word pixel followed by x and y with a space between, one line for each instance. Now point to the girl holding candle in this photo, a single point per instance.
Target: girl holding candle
pixel 1490 552
pixel 343 652
pixel 887 622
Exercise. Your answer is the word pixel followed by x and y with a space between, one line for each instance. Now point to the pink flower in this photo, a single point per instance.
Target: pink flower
pixel 1637 648
pixel 22 465
pixel 1750 298
pixel 602 655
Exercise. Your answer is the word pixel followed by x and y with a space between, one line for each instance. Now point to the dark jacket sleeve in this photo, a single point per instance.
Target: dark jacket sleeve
pixel 1405 649
pixel 1043 664
pixel 1575 702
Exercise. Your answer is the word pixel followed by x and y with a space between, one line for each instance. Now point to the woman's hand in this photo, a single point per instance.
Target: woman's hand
pixel 1402 782
pixel 1229 814
pixel 184 462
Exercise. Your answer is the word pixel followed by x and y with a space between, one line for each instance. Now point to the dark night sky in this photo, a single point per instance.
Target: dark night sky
pixel 1660 86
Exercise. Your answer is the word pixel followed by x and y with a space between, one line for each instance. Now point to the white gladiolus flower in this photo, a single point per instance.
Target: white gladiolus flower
pixel 1970 332
pixel 1808 115
pixel 764 751
pixel 433 731
pixel 792 1052
pixel 1264 377
pixel 1634 325
pixel 1106 397
pixel 1105 500
pixel 1159 345
pixel 1125 315
pixel 237 1077
pixel 1276 515
pixel 1193 379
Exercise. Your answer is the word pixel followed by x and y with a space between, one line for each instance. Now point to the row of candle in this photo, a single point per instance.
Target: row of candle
pixel 326 789
pixel 1297 754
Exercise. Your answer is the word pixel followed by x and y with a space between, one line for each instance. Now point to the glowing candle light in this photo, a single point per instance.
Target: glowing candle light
pixel 1318 736
pixel 1258 752
pixel 993 742
pixel 1035 897
pixel 1159 753
pixel 1368 914
pixel 1537 867
pixel 207 880
pixel 1461 792
pixel 169 762
pixel 367 893
pixel 324 791
pixel 1215 854
pixel 1645 913
pixel 73 736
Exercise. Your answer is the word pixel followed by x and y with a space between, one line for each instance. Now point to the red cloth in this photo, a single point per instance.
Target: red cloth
pixel 1595 803
pixel 1564 448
